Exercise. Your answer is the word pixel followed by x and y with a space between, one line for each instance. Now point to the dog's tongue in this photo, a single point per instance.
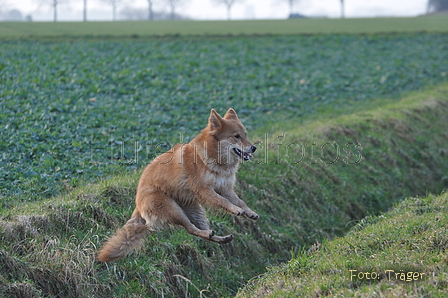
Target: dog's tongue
pixel 247 156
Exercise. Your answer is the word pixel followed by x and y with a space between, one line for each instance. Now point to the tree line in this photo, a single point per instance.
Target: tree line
pixel 172 5
pixel 433 6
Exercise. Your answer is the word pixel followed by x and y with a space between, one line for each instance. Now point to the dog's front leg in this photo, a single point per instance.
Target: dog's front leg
pixel 234 199
pixel 210 197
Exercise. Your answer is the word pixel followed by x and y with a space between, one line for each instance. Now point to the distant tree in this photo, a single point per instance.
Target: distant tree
pixel 437 5
pixel 13 15
pixel 172 5
pixel 150 12
pixel 131 13
pixel 291 5
pixel 55 9
pixel 84 15
pixel 228 4
pixel 114 4
pixel 134 13
pixel 342 9
pixel 54 4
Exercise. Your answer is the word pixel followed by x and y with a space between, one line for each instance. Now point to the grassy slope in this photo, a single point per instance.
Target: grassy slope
pixel 219 28
pixel 47 248
pixel 401 149
pixel 400 253
pixel 400 240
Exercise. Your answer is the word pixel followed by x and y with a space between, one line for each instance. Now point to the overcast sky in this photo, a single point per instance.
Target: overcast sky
pixel 71 10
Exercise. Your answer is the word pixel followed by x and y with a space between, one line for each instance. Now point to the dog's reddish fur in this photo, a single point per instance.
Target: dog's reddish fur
pixel 175 184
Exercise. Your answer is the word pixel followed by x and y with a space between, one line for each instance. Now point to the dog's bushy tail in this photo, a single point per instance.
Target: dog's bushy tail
pixel 128 238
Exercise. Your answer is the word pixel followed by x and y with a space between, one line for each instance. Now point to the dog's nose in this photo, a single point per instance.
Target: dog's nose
pixel 253 148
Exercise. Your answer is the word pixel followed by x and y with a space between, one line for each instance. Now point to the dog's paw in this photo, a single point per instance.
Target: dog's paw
pixel 252 215
pixel 227 239
pixel 211 234
pixel 239 212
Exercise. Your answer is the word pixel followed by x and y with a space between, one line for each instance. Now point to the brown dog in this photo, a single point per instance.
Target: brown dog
pixel 175 184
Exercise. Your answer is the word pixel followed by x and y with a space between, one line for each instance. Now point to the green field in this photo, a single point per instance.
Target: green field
pixel 12 30
pixel 347 125
pixel 74 111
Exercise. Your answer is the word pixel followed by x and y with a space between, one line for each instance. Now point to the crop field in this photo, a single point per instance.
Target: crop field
pixel 80 117
pixel 73 111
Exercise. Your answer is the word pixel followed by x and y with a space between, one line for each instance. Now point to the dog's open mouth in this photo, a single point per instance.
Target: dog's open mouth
pixel 244 155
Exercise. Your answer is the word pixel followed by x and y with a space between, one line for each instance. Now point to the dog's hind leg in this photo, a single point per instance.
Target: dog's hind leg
pixel 167 210
pixel 197 216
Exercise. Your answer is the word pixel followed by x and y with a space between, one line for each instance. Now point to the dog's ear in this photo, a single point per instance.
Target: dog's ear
pixel 231 114
pixel 214 120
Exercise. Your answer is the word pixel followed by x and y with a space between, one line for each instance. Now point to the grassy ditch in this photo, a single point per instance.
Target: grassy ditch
pixel 394 150
pixel 400 253
pixel 316 180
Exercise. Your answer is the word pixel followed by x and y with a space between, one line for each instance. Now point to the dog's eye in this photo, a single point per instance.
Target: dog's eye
pixel 237 136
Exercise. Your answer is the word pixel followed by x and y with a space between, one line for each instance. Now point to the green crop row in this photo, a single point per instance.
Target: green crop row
pixel 80 111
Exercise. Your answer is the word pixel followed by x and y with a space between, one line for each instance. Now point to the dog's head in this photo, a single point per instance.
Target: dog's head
pixel 231 136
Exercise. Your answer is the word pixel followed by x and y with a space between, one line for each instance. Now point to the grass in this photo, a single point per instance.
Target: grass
pixel 339 169
pixel 400 253
pixel 47 247
pixel 144 29
pixel 347 127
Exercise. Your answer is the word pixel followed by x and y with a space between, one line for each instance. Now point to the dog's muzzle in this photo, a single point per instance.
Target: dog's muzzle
pixel 245 155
